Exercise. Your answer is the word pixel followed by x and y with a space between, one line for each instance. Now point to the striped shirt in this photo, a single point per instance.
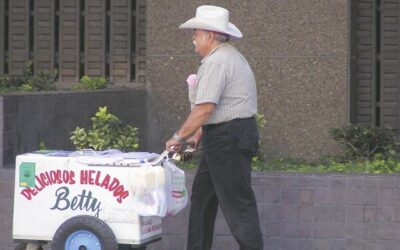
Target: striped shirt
pixel 226 79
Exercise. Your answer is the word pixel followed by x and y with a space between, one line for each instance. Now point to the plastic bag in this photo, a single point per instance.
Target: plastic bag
pixel 177 196
pixel 150 196
pixel 160 191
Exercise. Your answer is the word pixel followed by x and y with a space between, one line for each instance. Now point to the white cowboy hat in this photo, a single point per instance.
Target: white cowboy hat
pixel 212 18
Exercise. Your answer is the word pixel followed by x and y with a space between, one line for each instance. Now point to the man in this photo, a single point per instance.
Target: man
pixel 223 118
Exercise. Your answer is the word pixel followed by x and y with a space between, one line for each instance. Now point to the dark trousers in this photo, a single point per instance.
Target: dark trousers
pixel 224 179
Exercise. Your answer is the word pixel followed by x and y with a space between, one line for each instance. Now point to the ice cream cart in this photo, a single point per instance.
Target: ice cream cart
pixel 80 200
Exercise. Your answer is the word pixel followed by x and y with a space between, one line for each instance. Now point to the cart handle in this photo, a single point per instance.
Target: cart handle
pixel 157 160
pixel 182 156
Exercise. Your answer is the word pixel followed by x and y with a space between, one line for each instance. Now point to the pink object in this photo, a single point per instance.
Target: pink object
pixel 192 80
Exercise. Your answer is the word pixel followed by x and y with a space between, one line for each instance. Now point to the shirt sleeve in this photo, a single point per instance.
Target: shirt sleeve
pixel 211 83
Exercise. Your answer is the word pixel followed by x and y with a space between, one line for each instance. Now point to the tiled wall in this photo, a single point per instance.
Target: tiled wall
pixel 6 207
pixel 312 212
pixel 297 212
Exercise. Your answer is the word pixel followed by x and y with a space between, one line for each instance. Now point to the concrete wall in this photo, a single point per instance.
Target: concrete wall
pixel 312 212
pixel 297 212
pixel 298 51
pixel 28 119
pixel 6 207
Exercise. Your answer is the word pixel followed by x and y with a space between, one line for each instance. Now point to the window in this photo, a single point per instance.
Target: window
pixel 75 37
pixel 375 63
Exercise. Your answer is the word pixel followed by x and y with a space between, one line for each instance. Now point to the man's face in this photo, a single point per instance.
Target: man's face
pixel 202 41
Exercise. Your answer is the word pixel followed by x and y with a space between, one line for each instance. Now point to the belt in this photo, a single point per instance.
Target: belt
pixel 221 124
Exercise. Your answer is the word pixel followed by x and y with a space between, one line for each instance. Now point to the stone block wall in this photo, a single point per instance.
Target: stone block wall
pixel 311 212
pixel 297 212
pixel 6 207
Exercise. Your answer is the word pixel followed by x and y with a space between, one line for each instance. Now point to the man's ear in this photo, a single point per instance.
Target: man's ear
pixel 211 36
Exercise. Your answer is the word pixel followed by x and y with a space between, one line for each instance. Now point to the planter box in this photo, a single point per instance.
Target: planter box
pixel 297 211
pixel 28 119
pixel 310 212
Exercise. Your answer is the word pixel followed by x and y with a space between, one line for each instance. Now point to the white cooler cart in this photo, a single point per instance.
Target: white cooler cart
pixel 78 204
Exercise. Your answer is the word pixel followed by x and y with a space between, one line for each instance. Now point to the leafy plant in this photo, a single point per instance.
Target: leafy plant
pixel 261 122
pixel 42 82
pixel 107 132
pixel 377 165
pixel 4 83
pixel 42 146
pixel 27 81
pixel 189 165
pixel 364 142
pixel 91 83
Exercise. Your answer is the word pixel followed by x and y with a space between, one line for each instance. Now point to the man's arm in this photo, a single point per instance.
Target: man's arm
pixel 197 117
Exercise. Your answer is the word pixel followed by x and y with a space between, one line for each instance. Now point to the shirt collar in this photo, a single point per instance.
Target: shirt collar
pixel 212 52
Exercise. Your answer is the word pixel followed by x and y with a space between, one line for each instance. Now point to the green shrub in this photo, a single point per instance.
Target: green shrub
pixel 107 132
pixel 261 122
pixel 368 150
pixel 4 83
pixel 364 142
pixel 28 81
pixel 42 82
pixel 377 165
pixel 91 83
pixel 42 146
pixel 189 165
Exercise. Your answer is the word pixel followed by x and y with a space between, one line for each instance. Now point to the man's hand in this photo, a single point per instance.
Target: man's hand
pixel 173 145
pixel 197 117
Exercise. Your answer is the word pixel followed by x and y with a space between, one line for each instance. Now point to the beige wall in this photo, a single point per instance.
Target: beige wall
pixel 298 51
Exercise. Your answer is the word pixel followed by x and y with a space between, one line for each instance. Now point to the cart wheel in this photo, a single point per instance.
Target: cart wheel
pixel 84 232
